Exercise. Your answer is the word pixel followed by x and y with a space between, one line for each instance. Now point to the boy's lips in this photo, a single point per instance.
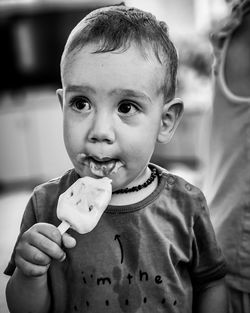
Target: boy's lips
pixel 100 166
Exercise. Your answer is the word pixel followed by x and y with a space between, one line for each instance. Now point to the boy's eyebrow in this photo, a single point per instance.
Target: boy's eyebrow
pixel 123 92
pixel 131 93
pixel 79 88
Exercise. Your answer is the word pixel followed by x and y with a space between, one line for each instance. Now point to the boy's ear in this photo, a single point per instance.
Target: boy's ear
pixel 59 93
pixel 171 116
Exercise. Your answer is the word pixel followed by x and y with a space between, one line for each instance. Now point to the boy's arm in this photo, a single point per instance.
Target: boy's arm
pixel 212 298
pixel 32 289
pixel 27 289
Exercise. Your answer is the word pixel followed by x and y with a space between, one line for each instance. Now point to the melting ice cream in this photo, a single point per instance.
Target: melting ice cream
pixel 82 204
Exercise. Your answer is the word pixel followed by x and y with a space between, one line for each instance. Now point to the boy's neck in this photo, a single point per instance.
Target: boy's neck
pixel 134 197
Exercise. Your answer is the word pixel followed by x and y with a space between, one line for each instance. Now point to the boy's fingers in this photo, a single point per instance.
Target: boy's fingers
pixel 50 231
pixel 68 241
pixel 33 255
pixel 47 246
pixel 44 244
pixel 30 269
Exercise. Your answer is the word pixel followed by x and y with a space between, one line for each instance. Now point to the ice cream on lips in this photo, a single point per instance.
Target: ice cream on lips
pixel 82 204
pixel 100 167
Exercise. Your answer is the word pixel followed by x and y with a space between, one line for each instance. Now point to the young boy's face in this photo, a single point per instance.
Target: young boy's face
pixel 113 107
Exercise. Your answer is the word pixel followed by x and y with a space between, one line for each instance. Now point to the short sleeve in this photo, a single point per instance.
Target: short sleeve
pixel 28 220
pixel 208 262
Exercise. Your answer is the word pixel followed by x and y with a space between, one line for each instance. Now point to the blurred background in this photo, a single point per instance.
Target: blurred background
pixel 33 33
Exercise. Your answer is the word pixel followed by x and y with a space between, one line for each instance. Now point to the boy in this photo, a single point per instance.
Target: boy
pixel 153 249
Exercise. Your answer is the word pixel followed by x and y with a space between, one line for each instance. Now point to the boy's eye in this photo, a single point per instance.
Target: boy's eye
pixel 80 104
pixel 127 108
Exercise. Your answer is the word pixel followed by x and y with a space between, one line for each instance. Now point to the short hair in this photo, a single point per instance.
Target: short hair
pixel 116 27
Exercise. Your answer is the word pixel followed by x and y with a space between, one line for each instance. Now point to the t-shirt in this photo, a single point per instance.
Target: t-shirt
pixel 151 256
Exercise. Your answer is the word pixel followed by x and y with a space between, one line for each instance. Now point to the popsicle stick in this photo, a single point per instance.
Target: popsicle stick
pixel 63 227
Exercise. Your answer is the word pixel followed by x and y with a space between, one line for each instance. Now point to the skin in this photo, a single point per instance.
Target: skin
pixel 27 290
pixel 113 108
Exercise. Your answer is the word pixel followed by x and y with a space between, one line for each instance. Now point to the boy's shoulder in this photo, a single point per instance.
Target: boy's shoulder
pixel 177 189
pixel 54 187
pixel 177 183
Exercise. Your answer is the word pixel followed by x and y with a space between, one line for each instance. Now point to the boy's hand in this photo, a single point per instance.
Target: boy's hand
pixel 38 246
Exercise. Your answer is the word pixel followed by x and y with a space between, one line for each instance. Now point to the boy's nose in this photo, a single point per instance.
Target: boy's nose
pixel 102 129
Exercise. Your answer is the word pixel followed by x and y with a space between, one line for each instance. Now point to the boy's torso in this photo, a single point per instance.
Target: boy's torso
pixel 139 258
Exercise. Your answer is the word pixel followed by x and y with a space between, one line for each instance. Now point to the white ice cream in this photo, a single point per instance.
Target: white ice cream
pixel 82 204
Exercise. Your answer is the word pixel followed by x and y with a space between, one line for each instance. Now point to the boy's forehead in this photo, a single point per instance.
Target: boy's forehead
pixel 124 69
pixel 145 52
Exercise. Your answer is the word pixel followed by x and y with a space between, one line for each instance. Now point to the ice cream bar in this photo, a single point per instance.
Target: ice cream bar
pixel 83 203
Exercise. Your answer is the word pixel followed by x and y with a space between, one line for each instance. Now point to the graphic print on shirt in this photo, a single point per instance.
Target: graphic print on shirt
pixel 130 286
pixel 117 237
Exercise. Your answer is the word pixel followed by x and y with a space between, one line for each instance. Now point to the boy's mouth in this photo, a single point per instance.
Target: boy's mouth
pixel 100 166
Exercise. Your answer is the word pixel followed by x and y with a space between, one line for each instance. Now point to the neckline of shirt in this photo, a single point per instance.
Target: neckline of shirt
pixel 115 209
